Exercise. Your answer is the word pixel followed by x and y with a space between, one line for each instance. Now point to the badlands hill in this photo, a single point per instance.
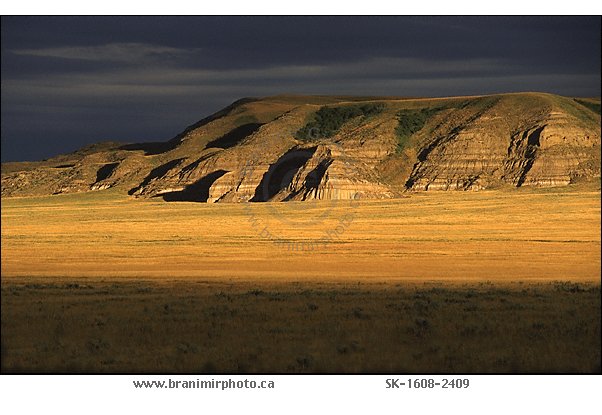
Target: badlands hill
pixel 312 147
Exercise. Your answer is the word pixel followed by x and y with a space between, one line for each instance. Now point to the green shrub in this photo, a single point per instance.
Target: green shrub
pixel 327 121
pixel 410 122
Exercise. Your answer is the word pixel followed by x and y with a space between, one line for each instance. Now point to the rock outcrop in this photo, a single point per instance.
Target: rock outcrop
pixel 252 152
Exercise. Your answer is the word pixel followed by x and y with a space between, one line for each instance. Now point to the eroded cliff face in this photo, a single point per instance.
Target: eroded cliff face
pixel 252 152
pixel 550 144
pixel 556 151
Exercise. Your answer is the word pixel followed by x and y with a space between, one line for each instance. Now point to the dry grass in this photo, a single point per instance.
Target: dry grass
pixel 237 327
pixel 549 234
pixel 495 281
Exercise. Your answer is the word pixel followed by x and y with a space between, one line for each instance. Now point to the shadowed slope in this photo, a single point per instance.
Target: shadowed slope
pixel 196 192
pixel 374 147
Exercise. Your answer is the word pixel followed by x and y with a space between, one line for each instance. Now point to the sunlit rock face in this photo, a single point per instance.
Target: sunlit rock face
pixel 328 148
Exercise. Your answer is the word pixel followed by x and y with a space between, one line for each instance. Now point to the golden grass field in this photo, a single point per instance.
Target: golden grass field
pixel 491 281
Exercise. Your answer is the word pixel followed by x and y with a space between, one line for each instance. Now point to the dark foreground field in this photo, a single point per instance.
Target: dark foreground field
pixel 212 326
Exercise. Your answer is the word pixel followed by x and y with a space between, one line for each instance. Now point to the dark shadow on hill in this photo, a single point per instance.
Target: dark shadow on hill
pixel 530 154
pixel 213 117
pixel 280 174
pixel 312 180
pixel 156 173
pixel 163 147
pixel 105 171
pixel 235 136
pixel 590 105
pixel 196 192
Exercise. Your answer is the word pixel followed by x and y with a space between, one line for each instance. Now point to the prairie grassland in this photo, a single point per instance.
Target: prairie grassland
pixel 551 234
pixel 208 326
pixel 494 281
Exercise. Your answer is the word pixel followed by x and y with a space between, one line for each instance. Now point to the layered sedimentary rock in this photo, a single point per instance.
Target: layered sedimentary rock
pixel 554 152
pixel 540 146
pixel 252 151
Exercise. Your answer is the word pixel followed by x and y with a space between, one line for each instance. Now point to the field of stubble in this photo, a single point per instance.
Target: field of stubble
pixel 498 281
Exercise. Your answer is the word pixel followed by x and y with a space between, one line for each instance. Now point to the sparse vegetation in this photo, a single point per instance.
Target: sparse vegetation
pixel 192 326
pixel 328 120
pixel 97 282
pixel 583 111
pixel 246 119
pixel 594 106
pixel 410 122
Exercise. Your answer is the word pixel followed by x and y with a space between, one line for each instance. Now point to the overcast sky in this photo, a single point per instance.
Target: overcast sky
pixel 72 81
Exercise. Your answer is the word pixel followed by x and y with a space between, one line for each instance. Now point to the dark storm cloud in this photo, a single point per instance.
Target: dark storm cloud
pixel 69 81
